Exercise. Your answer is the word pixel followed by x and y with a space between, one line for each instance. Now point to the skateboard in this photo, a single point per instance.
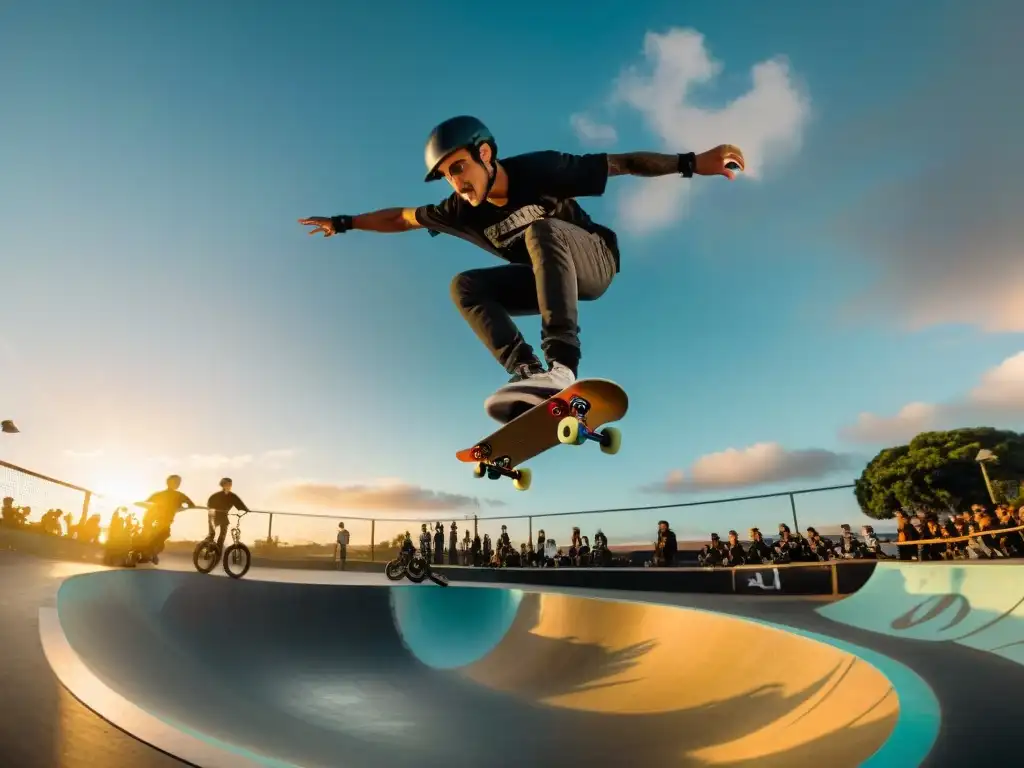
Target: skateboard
pixel 571 417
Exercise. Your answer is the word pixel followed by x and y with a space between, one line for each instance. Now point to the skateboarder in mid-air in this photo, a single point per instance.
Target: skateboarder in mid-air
pixel 522 209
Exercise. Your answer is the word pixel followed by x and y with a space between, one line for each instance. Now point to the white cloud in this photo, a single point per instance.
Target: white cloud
pixel 757 464
pixel 591 132
pixel 997 399
pixel 383 495
pixel 767 122
pixel 273 459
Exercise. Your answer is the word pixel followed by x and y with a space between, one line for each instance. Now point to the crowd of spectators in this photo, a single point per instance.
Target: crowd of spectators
pixel 979 534
pixel 482 551
pixel 54 522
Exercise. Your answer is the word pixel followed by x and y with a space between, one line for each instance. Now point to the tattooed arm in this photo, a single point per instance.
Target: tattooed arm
pixel 723 160
pixel 646 164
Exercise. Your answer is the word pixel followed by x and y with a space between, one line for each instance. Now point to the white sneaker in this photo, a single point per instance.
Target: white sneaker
pixel 529 386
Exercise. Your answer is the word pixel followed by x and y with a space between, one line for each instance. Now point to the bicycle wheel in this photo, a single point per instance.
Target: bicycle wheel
pixel 205 556
pixel 438 578
pixel 417 569
pixel 394 570
pixel 237 559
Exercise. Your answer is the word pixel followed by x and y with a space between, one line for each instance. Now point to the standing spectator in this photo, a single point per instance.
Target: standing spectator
pixel 467 548
pixel 488 549
pixel 439 544
pixel 453 544
pixel 666 547
pixel 475 549
pixel 425 542
pixel 542 540
pixel 341 547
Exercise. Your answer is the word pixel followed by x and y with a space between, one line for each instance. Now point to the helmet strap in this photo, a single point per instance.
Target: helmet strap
pixel 492 173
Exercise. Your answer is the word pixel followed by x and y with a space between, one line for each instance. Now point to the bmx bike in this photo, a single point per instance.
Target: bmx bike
pixel 236 556
pixel 415 568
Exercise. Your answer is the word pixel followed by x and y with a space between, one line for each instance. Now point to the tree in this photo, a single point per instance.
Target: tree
pixel 937 471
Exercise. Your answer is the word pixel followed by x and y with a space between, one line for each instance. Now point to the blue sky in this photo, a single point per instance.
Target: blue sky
pixel 164 312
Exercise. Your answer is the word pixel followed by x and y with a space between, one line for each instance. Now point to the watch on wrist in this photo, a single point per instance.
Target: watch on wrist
pixel 341 223
pixel 687 164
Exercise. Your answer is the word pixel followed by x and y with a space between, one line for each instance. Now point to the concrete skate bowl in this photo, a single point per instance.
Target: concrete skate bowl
pixel 247 673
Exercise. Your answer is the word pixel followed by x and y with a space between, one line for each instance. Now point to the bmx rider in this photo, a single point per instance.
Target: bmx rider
pixel 219 505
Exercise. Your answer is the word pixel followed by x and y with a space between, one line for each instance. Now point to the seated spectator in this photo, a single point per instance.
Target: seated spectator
pixel 713 554
pixel 905 534
pixel 787 548
pixel 665 548
pixel 736 554
pixel 932 530
pixel 584 553
pixel 759 551
pixel 601 556
pixel 814 547
pixel 1012 543
pixel 848 547
pixel 872 546
pixel 531 555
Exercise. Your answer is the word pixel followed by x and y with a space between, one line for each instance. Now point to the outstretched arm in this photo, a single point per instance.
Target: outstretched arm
pixel 385 220
pixel 723 160
pixel 645 164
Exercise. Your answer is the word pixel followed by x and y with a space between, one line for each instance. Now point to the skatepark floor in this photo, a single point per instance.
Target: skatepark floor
pixel 44 725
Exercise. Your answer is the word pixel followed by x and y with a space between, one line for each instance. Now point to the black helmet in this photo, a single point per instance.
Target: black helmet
pixel 463 132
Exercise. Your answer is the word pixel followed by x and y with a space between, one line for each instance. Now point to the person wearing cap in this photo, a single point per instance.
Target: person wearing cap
pixel 219 504
pixel 714 553
pixel 523 209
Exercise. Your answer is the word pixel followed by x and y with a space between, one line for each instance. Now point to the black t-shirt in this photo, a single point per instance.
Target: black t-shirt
pixel 223 502
pixel 541 185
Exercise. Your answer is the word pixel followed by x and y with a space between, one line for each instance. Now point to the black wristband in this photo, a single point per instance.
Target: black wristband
pixel 341 223
pixel 687 164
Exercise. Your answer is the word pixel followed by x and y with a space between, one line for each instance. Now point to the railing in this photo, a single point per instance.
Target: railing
pixel 369 535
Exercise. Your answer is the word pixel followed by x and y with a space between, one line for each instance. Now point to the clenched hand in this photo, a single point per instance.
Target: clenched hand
pixel 716 162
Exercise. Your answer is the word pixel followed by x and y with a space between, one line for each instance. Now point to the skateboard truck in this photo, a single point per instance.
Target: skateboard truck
pixel 500 468
pixel 573 429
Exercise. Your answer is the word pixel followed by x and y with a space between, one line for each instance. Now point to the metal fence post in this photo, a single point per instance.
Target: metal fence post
pixel 373 537
pixel 270 528
pixel 792 505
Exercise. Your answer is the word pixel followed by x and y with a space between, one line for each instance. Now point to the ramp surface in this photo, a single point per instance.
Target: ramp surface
pixel 261 673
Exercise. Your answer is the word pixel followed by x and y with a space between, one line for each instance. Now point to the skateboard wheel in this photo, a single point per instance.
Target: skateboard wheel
pixel 522 483
pixel 569 431
pixel 479 470
pixel 611 440
pixel 558 408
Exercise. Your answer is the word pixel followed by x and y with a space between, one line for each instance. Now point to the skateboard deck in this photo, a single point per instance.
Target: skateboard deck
pixel 571 417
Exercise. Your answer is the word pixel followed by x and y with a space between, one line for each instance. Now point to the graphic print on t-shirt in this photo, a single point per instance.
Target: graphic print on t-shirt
pixel 505 232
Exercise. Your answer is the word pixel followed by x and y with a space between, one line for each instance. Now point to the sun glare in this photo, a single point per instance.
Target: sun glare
pixel 120 487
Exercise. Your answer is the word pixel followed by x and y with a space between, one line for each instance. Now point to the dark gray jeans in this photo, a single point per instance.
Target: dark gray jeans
pixel 569 265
